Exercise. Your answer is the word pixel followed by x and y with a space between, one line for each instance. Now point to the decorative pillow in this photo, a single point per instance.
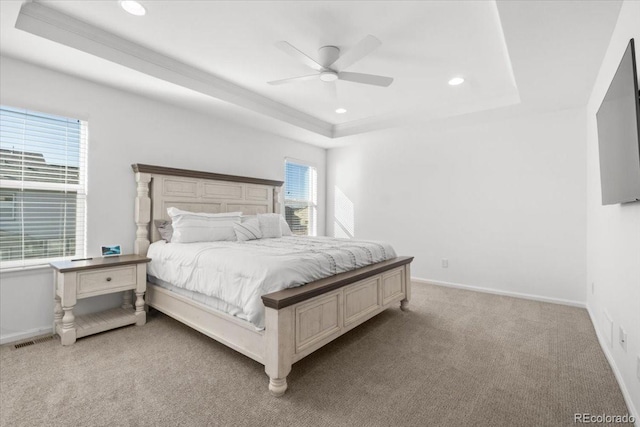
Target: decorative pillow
pixel 164 228
pixel 248 230
pixel 286 231
pixel 270 225
pixel 191 227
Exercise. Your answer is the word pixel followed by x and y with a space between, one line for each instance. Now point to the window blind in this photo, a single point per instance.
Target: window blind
pixel 300 198
pixel 42 187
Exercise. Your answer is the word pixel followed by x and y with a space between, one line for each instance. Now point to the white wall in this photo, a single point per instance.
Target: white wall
pixel 613 236
pixel 126 129
pixel 503 201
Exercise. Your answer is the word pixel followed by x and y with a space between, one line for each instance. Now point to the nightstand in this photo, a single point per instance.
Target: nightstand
pixel 75 280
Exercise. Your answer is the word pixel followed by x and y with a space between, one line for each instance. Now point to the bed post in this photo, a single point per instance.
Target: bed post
pixel 404 304
pixel 142 213
pixel 279 327
pixel 277 206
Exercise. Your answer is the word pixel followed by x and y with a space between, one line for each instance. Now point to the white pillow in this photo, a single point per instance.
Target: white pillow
pixel 286 231
pixel 248 230
pixel 270 225
pixel 189 227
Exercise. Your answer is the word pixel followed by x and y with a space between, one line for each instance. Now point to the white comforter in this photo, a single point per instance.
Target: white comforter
pixel 239 273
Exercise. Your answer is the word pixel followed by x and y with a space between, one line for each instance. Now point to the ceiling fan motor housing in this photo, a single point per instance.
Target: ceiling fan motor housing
pixel 327 55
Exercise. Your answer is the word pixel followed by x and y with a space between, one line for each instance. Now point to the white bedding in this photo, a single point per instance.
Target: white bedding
pixel 239 273
pixel 212 302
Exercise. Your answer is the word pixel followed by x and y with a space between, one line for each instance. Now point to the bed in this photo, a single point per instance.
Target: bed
pixel 296 321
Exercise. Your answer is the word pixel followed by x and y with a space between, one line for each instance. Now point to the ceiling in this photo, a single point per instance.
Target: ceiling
pixel 217 56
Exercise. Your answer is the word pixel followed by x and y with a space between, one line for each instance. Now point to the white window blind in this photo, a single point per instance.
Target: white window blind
pixel 42 187
pixel 301 197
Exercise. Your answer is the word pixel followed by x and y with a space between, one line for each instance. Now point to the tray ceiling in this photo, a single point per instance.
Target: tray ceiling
pixel 218 56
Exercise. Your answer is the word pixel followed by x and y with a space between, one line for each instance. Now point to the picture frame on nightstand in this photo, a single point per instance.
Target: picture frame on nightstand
pixel 110 250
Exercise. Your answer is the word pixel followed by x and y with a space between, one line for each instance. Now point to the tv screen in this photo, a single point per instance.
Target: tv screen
pixel 619 134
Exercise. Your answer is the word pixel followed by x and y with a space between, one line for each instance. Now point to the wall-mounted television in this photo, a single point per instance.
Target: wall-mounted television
pixel 619 134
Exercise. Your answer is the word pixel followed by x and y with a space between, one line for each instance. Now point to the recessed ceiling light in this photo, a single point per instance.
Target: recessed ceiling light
pixel 456 81
pixel 341 110
pixel 133 7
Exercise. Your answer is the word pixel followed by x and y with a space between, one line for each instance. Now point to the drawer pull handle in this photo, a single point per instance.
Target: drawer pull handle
pixel 108 279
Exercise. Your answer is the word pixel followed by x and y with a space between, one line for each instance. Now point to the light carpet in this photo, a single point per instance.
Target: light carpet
pixel 457 358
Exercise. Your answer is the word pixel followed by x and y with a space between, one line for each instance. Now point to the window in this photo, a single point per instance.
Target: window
pixel 301 197
pixel 42 187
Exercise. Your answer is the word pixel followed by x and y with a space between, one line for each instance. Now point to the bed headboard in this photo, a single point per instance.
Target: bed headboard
pixel 159 188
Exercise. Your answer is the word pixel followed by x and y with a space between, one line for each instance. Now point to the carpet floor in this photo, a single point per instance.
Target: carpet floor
pixel 457 358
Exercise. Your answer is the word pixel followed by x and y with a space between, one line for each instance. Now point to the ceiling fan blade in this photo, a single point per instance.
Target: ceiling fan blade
pixel 294 79
pixel 302 57
pixel 359 51
pixel 368 79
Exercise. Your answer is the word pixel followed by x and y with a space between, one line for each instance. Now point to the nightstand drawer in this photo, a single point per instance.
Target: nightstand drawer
pixel 106 279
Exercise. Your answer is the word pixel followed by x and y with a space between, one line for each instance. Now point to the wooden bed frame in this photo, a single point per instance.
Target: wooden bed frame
pixel 299 320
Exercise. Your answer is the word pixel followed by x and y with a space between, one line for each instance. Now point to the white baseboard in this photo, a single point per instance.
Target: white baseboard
pixel 500 292
pixel 616 372
pixel 23 335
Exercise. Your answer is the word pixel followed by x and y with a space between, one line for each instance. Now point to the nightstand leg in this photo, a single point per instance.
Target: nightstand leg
pixel 68 335
pixel 141 315
pixel 126 300
pixel 57 312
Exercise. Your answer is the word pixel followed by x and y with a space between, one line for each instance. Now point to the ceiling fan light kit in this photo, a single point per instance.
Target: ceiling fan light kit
pixel 328 76
pixel 331 63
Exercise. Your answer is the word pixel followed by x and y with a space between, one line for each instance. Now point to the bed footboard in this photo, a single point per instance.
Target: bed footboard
pixel 299 321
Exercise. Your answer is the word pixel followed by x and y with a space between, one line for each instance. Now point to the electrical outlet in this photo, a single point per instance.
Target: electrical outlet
pixel 445 263
pixel 593 288
pixel 622 336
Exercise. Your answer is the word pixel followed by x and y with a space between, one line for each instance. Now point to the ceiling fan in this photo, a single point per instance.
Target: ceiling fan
pixel 330 63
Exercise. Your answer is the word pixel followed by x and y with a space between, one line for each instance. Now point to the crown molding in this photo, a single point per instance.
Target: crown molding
pixel 58 27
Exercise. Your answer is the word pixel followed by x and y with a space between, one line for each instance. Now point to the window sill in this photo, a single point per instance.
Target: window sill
pixel 36 264
pixel 25 268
